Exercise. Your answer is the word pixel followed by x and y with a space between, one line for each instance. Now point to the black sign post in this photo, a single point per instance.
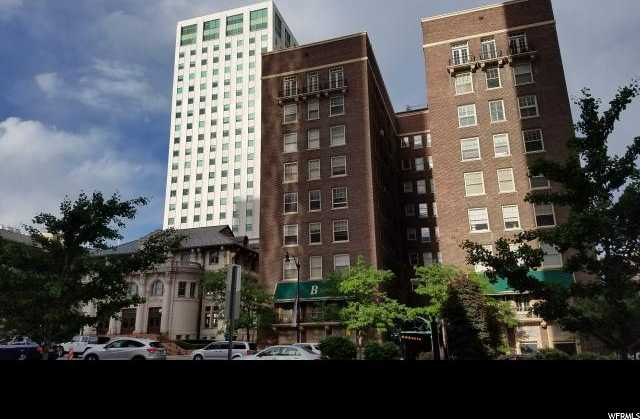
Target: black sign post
pixel 233 303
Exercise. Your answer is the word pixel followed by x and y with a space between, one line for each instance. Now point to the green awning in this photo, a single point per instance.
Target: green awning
pixel 564 279
pixel 309 291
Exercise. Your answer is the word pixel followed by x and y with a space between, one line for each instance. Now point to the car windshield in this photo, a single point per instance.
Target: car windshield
pixel 307 348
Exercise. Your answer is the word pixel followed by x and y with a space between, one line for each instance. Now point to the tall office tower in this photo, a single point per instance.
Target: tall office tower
pixel 214 152
pixel 330 176
pixel 497 102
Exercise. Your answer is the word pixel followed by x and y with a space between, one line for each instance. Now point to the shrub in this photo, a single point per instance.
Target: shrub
pixel 338 349
pixel 551 355
pixel 385 352
pixel 589 356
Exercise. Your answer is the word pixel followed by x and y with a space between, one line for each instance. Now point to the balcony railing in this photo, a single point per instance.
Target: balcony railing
pixel 287 95
pixel 521 51
pixel 471 62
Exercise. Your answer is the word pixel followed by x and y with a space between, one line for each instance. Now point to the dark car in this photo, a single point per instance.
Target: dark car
pixel 20 349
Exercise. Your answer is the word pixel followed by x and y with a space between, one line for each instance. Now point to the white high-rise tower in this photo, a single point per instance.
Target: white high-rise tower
pixel 214 151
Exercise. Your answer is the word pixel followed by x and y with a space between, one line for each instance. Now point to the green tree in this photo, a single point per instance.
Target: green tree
pixel 256 305
pixel 44 287
pixel 368 306
pixel 338 348
pixel 601 235
pixel 472 315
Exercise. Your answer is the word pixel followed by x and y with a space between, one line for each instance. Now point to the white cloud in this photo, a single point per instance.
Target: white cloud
pixel 8 8
pixel 42 164
pixel 106 85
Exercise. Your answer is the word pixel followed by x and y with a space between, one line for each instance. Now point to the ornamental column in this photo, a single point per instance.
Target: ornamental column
pixel 166 301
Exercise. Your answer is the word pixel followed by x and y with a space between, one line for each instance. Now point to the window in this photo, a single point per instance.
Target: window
pixel 258 20
pixel 315 233
pixel 313 82
pixel 533 141
pixel 157 289
pixel 340 231
pixel 291 142
pixel 211 30
pixel 552 257
pixel 412 234
pixel 545 216
pixel 506 181
pixel 467 116
pixel 338 136
pixel 464 83
pixel 291 202
pixel 460 53
pixel 234 25
pixel 423 210
pixel 425 235
pixel 405 142
pixel 496 109
pixel 518 43
pixel 528 106
pixel 182 289
pixel 290 113
pixel 511 217
pixel 314 170
pixel 192 290
pixel 339 198
pixel 290 235
pixel 336 78
pixel 539 182
pixel 290 86
pixel 501 146
pixel 410 210
pixel 341 262
pixel 313 139
pixel 479 220
pixel 419 164
pixel 488 50
pixel 313 110
pixel 290 270
pixel 421 187
pixel 480 268
pixel 291 172
pixel 474 184
pixel 338 166
pixel 407 187
pixel 315 268
pixel 315 201
pixel 336 106
pixel 188 35
pixel 417 142
pixel 470 149
pixel 522 74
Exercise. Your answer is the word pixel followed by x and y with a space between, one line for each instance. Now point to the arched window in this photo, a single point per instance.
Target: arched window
pixel 133 290
pixel 157 289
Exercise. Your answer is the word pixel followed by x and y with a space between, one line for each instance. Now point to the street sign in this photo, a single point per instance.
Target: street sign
pixel 233 275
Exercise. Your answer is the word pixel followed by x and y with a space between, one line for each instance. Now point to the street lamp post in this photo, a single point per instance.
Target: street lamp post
pixel 297 304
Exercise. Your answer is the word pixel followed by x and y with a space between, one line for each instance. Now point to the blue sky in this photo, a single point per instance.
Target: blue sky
pixel 86 84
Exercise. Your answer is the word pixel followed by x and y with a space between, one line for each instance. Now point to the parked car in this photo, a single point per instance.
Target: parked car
pixel 127 349
pixel 283 353
pixel 220 351
pixel 314 348
pixel 20 349
pixel 80 344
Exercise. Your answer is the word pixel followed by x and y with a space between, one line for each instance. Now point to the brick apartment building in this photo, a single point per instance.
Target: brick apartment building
pixel 345 176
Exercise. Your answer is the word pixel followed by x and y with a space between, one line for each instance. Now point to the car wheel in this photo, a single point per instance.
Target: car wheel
pixel 22 357
pixel 138 358
pixel 198 358
pixel 236 358
pixel 91 357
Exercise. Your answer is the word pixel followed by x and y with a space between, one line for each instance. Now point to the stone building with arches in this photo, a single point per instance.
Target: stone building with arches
pixel 175 306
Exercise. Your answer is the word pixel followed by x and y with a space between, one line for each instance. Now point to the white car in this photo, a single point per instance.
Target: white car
pixel 283 353
pixel 219 351
pixel 127 349
pixel 310 347
pixel 80 344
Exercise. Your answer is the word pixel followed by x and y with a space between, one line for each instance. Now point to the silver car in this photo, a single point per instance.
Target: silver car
pixel 314 348
pixel 283 353
pixel 127 349
pixel 219 351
